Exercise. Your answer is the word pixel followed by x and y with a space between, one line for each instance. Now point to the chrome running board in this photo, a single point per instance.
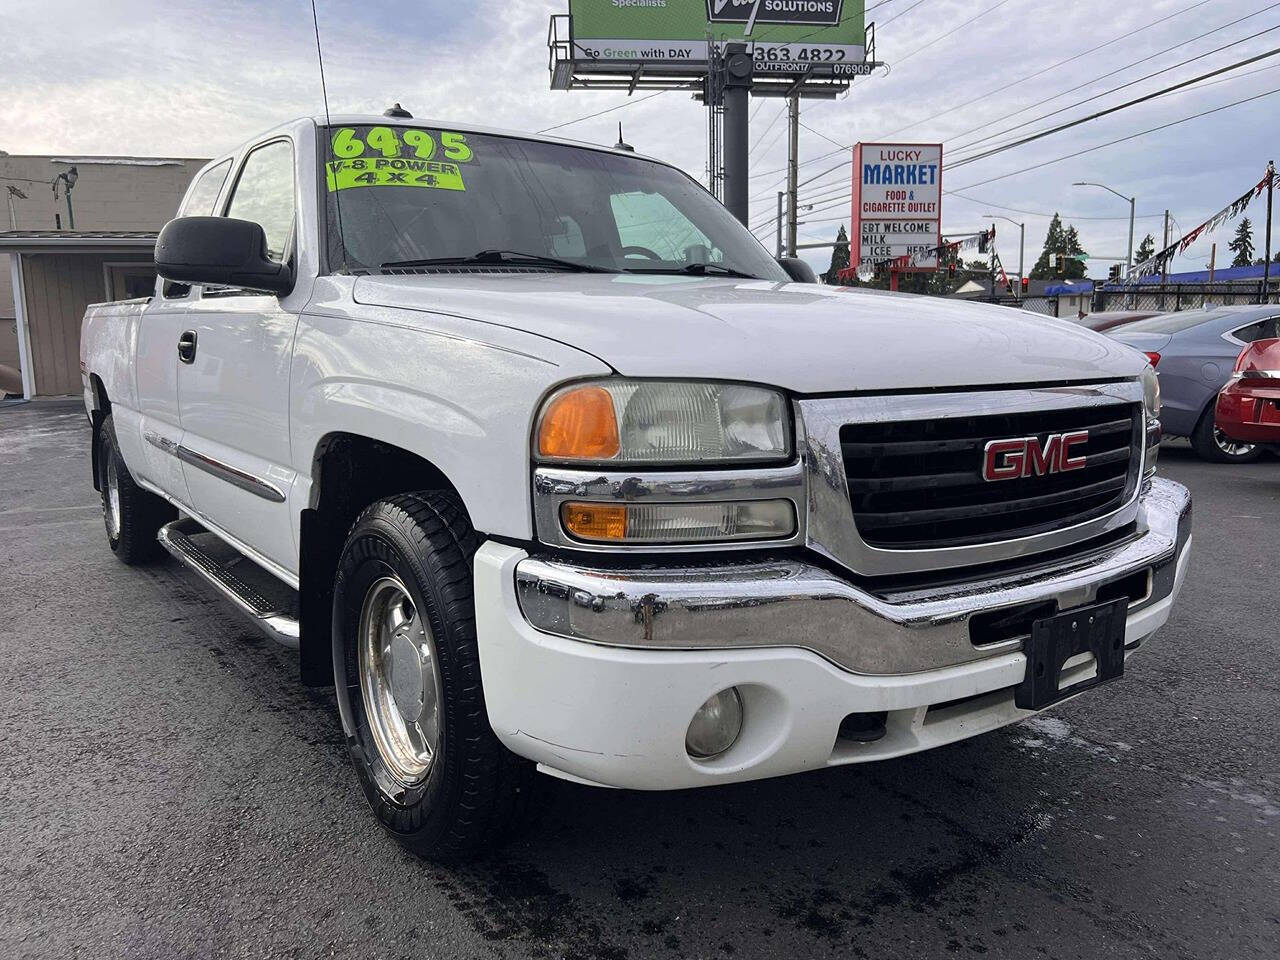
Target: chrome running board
pixel 268 602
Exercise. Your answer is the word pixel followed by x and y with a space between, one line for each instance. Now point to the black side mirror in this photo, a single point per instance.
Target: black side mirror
pixel 219 250
pixel 798 270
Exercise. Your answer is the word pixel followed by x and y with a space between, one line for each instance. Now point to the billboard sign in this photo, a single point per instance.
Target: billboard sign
pixel 897 205
pixel 825 37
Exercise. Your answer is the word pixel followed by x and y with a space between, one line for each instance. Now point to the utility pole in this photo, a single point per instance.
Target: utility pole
pixel 793 168
pixel 737 87
pixel 1266 268
pixel 1164 267
pixel 1133 205
pixel 777 250
pixel 1213 264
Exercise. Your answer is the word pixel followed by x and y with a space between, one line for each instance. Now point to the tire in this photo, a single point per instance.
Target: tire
pixel 1212 445
pixel 132 516
pixel 407 669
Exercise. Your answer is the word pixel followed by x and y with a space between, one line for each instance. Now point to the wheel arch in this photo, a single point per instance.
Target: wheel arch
pixel 349 471
pixel 101 410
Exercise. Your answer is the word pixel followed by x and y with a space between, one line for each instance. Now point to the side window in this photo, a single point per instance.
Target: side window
pixel 199 202
pixel 264 194
pixel 204 192
pixel 1262 330
pixel 650 222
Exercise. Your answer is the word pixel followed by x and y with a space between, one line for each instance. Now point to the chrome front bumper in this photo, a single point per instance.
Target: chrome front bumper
pixel 791 603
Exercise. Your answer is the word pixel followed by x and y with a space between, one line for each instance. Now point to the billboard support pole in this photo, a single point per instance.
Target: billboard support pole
pixel 793 169
pixel 737 86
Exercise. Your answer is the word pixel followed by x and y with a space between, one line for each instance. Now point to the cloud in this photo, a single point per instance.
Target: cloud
pixel 193 78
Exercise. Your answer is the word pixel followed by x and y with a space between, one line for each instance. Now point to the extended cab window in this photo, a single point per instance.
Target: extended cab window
pixel 204 192
pixel 408 197
pixel 264 194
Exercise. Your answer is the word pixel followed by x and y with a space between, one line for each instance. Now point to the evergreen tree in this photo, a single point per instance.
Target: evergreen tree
pixel 839 256
pixel 1059 240
pixel 1074 268
pixel 1146 249
pixel 1242 244
pixel 1054 242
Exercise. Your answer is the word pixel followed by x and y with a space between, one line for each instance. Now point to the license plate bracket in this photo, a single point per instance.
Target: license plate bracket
pixel 1098 629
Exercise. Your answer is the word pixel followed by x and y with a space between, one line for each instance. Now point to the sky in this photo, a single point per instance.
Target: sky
pixel 195 77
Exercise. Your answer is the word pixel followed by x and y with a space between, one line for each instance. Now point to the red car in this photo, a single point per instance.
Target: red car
pixel 1249 405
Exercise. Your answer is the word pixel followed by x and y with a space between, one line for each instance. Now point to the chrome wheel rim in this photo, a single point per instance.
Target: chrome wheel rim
pixel 400 681
pixel 1232 448
pixel 111 499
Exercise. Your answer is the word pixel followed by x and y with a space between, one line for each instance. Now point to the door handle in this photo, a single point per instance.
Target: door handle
pixel 187 347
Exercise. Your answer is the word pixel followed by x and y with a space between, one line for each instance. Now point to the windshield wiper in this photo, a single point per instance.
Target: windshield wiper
pixel 503 257
pixel 698 270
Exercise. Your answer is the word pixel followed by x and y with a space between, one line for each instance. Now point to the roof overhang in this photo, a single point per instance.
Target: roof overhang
pixel 67 241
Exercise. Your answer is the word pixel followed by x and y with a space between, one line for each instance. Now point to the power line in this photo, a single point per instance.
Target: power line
pixel 1105 93
pixel 1030 138
pixel 601 113
pixel 1031 76
pixel 1001 88
pixel 1046 216
pixel 1112 143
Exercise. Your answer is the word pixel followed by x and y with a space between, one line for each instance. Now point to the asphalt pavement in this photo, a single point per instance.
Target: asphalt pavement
pixel 168 789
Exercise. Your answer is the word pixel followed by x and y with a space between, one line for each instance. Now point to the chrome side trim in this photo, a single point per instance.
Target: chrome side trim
pixel 788 603
pixel 223 471
pixel 830 528
pixel 552 486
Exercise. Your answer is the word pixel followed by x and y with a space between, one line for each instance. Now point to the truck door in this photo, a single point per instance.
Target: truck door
pixel 156 362
pixel 233 385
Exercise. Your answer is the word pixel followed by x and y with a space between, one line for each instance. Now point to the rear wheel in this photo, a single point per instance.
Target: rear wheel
pixel 1210 443
pixel 133 516
pixel 407 673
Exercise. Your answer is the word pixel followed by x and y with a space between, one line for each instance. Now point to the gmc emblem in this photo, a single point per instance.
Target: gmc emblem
pixel 1027 456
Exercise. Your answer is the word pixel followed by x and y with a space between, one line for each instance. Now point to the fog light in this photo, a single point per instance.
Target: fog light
pixel 715 726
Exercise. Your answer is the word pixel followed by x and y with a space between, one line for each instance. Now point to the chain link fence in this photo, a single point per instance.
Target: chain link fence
pixel 1169 298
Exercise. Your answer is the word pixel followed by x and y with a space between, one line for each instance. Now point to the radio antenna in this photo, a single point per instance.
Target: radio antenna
pixel 324 92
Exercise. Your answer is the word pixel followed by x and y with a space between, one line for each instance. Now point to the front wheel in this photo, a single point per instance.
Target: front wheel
pixel 407 672
pixel 1211 444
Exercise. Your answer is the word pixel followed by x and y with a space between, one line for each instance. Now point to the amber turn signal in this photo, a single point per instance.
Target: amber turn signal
pixel 579 424
pixel 595 521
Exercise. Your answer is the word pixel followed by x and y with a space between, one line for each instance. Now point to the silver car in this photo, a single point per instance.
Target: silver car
pixel 1194 352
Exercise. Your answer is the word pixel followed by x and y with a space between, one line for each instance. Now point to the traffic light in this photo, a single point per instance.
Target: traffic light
pixel 982 242
pixel 1114 273
pixel 1060 264
pixel 951 270
pixel 1026 285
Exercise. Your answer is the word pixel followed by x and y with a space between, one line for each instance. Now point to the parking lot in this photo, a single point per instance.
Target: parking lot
pixel 169 789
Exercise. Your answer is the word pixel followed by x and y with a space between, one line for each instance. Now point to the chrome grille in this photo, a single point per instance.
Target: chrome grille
pixel 917 484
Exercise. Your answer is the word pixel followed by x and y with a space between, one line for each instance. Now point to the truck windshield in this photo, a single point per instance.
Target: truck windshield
pixel 401 196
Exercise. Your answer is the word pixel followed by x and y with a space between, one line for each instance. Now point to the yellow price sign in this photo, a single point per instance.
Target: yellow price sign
pixel 392 172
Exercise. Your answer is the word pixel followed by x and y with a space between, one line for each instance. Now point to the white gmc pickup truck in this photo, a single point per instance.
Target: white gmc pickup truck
pixel 536 454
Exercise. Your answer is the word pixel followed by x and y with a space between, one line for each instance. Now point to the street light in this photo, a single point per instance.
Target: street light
pixel 1022 243
pixel 1132 203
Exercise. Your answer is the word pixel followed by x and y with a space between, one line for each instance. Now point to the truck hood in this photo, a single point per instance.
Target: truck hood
pixel 801 337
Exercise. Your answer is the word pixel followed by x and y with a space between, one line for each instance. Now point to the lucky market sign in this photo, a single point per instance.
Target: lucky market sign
pixel 897 205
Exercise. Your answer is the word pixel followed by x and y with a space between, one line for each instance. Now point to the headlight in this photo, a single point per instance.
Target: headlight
pixel 663 422
pixel 1154 432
